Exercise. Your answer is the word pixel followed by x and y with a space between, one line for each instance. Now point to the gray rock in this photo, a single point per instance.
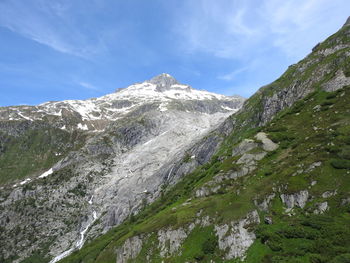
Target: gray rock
pixel 170 240
pixel 298 199
pixel 345 201
pixel 338 82
pixel 268 220
pixel 321 208
pixel 264 205
pixel 245 146
pixel 130 249
pixel 267 144
pixel 236 238
pixel 328 194
pixel 251 158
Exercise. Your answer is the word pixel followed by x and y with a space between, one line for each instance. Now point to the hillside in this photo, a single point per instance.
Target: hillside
pixel 71 170
pixel 277 189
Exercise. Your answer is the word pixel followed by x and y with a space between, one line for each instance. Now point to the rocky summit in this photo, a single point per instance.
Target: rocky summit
pixel 161 172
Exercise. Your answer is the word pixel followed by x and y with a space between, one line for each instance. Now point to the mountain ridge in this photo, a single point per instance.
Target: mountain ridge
pixel 114 105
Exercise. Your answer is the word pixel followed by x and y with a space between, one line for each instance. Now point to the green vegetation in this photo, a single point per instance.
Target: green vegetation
pixel 35 151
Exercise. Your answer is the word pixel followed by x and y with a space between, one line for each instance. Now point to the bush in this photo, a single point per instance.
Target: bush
pixel 345 152
pixel 210 245
pixel 277 137
pixel 340 163
pixel 331 96
pixel 317 258
pixel 344 258
pixel 327 103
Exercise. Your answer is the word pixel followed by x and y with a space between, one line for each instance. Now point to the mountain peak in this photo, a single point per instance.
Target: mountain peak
pixel 163 81
pixel 347 23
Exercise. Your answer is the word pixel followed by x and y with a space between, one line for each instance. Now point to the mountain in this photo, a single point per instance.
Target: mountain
pixel 71 170
pixel 277 188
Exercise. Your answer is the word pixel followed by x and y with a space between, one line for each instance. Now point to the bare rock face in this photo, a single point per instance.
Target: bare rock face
pixel 339 81
pixel 130 249
pixel 264 205
pixel 321 208
pixel 236 238
pixel 267 144
pixel 298 199
pixel 170 241
pixel 245 146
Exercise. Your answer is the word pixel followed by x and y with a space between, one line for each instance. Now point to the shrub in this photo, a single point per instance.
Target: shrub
pixel 327 103
pixel 210 245
pixel 344 258
pixel 340 163
pixel 279 137
pixel 331 96
pixel 345 152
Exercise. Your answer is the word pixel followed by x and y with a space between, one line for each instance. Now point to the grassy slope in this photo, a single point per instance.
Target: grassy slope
pixel 35 151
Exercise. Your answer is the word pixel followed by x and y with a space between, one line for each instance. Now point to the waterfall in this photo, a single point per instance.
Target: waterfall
pixel 78 244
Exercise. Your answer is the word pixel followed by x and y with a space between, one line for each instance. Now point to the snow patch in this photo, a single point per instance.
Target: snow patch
pixel 25 181
pixel 227 108
pixel 162 107
pixel 82 127
pixel 27 118
pixel 47 173
pixel 90 201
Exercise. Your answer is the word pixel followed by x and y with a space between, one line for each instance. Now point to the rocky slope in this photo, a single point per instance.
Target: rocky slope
pixel 73 169
pixel 277 188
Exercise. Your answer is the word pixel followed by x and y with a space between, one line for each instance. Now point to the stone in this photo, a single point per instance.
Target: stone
pixel 237 237
pixel 297 199
pixel 245 146
pixel 267 144
pixel 130 249
pixel 170 241
pixel 268 220
pixel 321 208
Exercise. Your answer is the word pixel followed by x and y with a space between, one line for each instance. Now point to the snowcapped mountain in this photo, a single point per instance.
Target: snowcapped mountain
pixel 79 167
pixel 163 91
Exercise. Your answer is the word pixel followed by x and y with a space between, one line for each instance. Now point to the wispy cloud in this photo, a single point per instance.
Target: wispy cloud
pixel 294 25
pixel 230 76
pixel 88 86
pixel 220 28
pixel 48 23
pixel 256 40
pixel 237 29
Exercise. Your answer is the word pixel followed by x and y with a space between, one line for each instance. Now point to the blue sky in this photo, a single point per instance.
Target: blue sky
pixel 77 49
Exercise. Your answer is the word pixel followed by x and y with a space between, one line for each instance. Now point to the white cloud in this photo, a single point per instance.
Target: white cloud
pixel 235 29
pixel 48 23
pixel 88 86
pixel 220 28
pixel 297 25
pixel 230 76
